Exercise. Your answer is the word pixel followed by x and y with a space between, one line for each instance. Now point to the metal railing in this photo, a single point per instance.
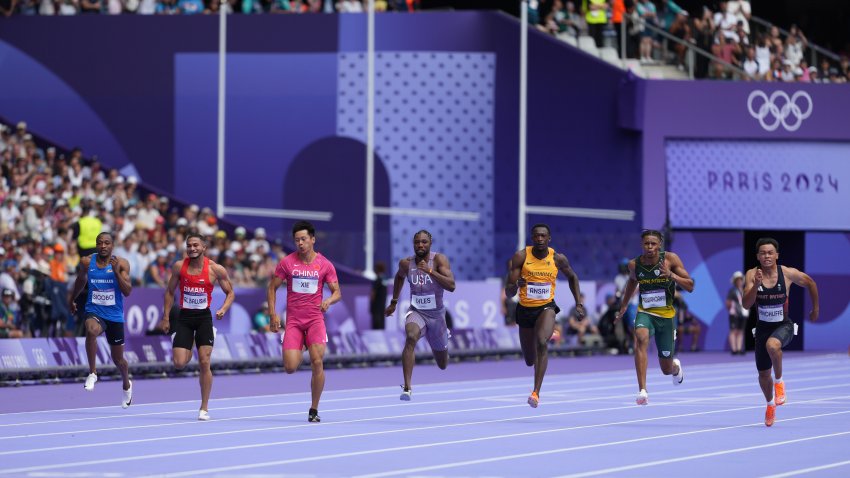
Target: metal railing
pixel 693 50
pixel 814 48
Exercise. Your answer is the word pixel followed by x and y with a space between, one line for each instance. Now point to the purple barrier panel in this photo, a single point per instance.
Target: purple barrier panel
pixel 12 354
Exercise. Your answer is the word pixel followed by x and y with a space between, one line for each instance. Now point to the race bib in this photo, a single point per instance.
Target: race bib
pixel 772 313
pixel 653 298
pixel 195 300
pixel 305 285
pixel 103 297
pixel 538 290
pixel 424 302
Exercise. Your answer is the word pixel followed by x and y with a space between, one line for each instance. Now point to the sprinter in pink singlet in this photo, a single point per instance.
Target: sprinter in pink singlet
pixel 305 273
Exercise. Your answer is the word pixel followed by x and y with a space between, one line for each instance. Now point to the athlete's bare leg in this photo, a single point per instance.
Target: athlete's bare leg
pixel 205 377
pixel 528 343
pixel 641 345
pixel 120 362
pixel 292 359
pixel 317 383
pixel 93 329
pixel 408 355
pixel 774 349
pixel 543 330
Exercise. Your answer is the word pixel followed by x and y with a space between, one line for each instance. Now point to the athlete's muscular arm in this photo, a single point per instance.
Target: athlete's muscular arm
pixel 271 297
pixel 751 284
pixel 803 280
pixel 336 296
pixel 398 283
pixel 80 283
pixel 442 272
pixel 173 279
pixel 631 285
pixel 515 280
pixel 674 269
pixel 564 266
pixel 223 279
pixel 122 274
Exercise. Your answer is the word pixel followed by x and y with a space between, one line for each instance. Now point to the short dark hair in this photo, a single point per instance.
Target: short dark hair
pixel 104 233
pixel 423 231
pixel 767 240
pixel 195 234
pixel 540 224
pixel 302 226
pixel 652 232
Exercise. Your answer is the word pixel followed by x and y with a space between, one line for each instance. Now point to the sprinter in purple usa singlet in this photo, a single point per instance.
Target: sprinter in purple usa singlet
pixel 428 274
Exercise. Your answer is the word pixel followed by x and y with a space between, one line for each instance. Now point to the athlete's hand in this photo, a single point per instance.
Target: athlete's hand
pixel 326 304
pixel 219 314
pixel 521 282
pixel 274 323
pixel 115 263
pixel 758 277
pixel 72 305
pixel 813 314
pixel 390 309
pixel 165 325
pixel 580 310
pixel 619 315
pixel 423 266
pixel 664 270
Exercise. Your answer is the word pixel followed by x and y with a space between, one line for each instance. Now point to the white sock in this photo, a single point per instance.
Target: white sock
pixel 771 402
pixel 777 380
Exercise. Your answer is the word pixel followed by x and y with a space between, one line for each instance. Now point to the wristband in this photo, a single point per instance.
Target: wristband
pixel 394 301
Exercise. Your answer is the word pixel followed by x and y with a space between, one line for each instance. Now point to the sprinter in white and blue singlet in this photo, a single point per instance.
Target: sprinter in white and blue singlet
pixel 429 274
pixel 196 275
pixel 533 272
pixel 766 287
pixel 108 280
pixel 655 274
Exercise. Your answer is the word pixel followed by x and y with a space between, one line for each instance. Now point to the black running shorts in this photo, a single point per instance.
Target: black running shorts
pixel 193 326
pixel 781 331
pixel 526 317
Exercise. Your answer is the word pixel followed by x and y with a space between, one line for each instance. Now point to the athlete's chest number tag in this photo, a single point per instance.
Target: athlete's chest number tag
pixel 653 298
pixel 305 285
pixel 538 290
pixel 195 300
pixel 103 297
pixel 424 302
pixel 772 313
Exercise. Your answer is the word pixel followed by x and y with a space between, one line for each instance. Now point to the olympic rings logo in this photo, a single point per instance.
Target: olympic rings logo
pixel 779 109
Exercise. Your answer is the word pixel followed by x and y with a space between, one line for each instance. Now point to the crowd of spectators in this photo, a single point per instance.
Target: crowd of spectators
pixel 45 196
pixel 192 7
pixel 724 30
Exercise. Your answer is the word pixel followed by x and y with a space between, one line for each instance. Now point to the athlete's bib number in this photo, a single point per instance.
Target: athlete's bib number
pixel 194 301
pixel 653 298
pixel 772 313
pixel 305 286
pixel 103 297
pixel 424 302
pixel 538 290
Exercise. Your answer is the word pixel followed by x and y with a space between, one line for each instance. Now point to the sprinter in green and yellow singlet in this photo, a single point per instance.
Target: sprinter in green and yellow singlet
pixel 655 274
pixel 533 271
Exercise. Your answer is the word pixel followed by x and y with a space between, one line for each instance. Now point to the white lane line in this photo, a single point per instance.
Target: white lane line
pixel 383 432
pixel 393 405
pixel 804 471
pixel 812 362
pixel 587 447
pixel 653 381
pixel 702 455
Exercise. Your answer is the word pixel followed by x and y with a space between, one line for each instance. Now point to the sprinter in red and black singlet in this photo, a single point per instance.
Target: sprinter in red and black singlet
pixel 766 287
pixel 196 275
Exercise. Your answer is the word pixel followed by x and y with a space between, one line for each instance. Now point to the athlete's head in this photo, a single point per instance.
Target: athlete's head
pixel 422 244
pixel 103 244
pixel 767 251
pixel 304 236
pixel 196 245
pixel 652 242
pixel 540 236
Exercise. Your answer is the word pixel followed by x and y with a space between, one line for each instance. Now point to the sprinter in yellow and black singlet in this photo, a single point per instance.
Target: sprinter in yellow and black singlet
pixel 533 271
pixel 655 274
